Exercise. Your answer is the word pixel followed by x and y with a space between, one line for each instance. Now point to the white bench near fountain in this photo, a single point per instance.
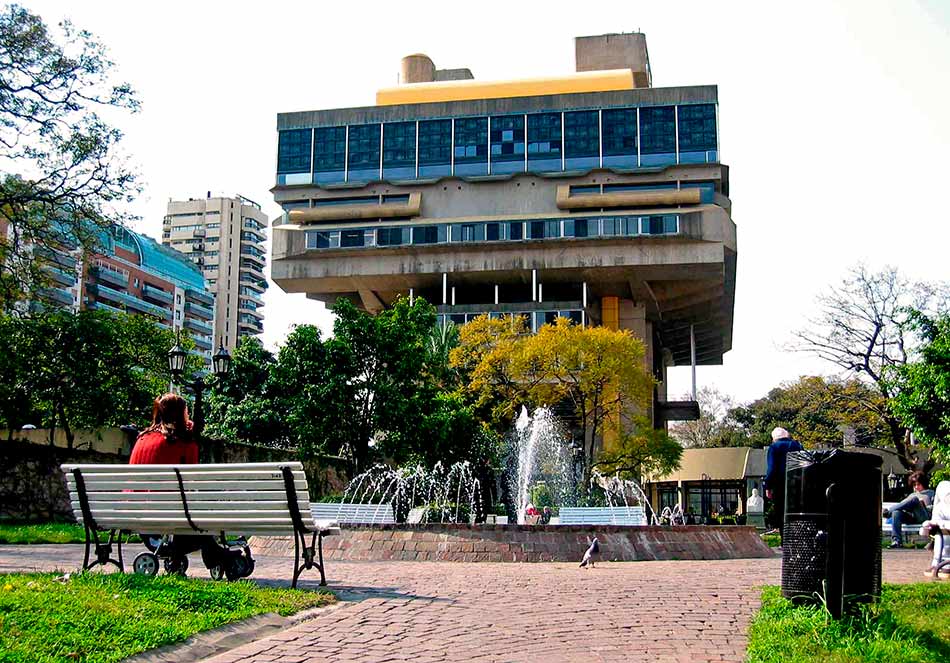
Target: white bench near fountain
pixel 618 515
pixel 343 513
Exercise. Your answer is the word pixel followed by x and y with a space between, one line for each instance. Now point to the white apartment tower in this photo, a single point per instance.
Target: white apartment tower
pixel 225 238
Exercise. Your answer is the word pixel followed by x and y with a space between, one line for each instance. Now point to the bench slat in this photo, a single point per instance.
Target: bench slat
pixel 193 505
pixel 93 485
pixel 93 469
pixel 169 475
pixel 144 496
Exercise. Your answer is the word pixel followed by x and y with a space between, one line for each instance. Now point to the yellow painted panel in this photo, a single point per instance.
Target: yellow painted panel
pixel 588 81
pixel 610 312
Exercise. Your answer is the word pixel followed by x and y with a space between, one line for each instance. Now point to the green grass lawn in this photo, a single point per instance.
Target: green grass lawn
pixel 100 618
pixel 41 533
pixel 27 533
pixel 911 624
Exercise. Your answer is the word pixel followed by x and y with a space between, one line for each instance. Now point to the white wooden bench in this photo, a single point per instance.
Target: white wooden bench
pixel 372 514
pixel 268 499
pixel 621 515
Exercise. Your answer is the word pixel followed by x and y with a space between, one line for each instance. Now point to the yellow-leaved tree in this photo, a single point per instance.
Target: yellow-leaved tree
pixel 599 371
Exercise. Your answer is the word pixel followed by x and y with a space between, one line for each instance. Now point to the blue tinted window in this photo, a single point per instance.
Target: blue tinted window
pixel 351 238
pixel 399 150
pixel 293 151
pixel 392 236
pixel 515 231
pixel 707 190
pixel 697 133
pixel 363 162
pixel 620 137
pixel 435 148
pixel 582 140
pixel 329 154
pixel 428 234
pixel 471 146
pixel 507 144
pixel 544 142
pixel 657 135
pixel 660 224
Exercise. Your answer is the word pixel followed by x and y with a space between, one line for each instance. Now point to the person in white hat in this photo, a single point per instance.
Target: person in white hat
pixel 782 444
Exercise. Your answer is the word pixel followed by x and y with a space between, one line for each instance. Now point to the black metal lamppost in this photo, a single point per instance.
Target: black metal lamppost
pixel 220 365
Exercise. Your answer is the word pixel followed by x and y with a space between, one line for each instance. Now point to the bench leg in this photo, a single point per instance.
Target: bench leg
pixel 103 549
pixel 308 551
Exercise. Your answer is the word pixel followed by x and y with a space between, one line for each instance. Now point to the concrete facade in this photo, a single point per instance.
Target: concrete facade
pixel 224 237
pixel 648 235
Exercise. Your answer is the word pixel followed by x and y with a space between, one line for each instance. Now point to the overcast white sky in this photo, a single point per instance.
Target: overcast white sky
pixel 834 120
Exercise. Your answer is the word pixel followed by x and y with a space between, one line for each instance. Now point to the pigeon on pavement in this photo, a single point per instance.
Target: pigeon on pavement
pixel 592 554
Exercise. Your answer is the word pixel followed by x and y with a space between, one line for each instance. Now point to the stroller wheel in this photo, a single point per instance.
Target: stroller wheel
pixel 176 565
pixel 217 572
pixel 238 566
pixel 145 564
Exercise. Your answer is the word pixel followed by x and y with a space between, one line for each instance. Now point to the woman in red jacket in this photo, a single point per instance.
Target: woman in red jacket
pixel 169 441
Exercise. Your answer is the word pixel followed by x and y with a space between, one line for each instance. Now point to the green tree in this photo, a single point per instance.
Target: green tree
pixel 861 327
pixel 715 427
pixel 816 410
pixel 922 402
pixel 240 406
pixel 642 452
pixel 86 370
pixel 63 178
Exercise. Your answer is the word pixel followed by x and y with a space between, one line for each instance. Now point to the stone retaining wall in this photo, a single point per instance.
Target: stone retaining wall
pixel 551 543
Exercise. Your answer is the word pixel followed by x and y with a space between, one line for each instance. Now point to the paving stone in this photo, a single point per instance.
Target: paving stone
pixel 455 611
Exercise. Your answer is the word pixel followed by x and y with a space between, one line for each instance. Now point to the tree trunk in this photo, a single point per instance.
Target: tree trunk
pixel 70 435
pixel 900 438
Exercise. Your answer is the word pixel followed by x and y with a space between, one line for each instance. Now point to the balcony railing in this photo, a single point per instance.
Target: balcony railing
pixel 202 312
pixel 131 302
pixel 57 295
pixel 200 296
pixel 101 306
pixel 199 326
pixel 110 276
pixel 156 294
pixel 61 277
pixel 202 342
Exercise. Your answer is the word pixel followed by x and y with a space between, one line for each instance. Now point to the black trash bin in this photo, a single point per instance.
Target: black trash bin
pixel 831 539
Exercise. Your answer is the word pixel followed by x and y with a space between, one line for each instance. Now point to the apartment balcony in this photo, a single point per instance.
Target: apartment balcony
pixel 101 306
pixel 199 326
pixel 61 277
pixel 58 258
pixel 202 312
pixel 203 343
pixel 199 296
pixel 251 311
pixel 109 276
pixel 56 295
pixel 157 295
pixel 199 232
pixel 252 260
pixel 249 325
pixel 130 301
pixel 260 285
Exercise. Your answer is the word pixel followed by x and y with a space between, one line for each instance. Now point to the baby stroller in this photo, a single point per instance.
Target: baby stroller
pixel 223 558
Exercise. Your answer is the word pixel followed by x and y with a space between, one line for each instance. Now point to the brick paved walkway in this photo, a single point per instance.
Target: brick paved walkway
pixel 444 611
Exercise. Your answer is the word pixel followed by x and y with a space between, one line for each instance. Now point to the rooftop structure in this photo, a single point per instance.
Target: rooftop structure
pixel 590 195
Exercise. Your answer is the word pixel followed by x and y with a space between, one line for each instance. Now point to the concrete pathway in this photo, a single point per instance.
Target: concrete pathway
pixel 444 611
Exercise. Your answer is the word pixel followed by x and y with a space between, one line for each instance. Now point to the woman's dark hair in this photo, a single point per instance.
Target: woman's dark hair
pixel 170 417
pixel 917 477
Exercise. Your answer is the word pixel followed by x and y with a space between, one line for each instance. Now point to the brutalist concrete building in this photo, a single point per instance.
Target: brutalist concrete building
pixel 593 195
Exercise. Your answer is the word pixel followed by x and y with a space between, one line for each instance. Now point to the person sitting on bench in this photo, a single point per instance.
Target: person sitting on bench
pixel 169 441
pixel 912 510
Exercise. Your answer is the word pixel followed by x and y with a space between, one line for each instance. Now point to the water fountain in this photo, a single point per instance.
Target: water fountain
pixel 436 510
pixel 441 492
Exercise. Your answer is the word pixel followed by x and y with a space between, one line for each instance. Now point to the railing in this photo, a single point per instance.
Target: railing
pixel 199 326
pixel 110 276
pixel 132 302
pixel 200 297
pixel 201 311
pixel 60 276
pixel 157 294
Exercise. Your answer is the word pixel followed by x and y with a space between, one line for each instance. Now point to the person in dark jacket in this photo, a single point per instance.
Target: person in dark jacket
pixel 169 441
pixel 782 444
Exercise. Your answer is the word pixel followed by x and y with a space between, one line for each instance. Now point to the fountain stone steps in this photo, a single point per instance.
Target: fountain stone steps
pixel 529 543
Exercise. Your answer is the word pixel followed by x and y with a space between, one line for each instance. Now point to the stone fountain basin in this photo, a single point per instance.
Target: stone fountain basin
pixel 528 543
